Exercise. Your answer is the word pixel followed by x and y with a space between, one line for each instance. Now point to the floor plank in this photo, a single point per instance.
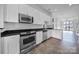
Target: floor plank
pixel 56 46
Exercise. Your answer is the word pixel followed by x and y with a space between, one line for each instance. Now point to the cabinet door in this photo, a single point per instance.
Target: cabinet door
pixel 35 14
pixel 42 18
pixel 0 42
pixel 1 15
pixel 11 44
pixel 39 37
pixel 57 34
pixel 49 34
pixel 37 17
pixel 23 9
pixel 31 11
pixel 11 13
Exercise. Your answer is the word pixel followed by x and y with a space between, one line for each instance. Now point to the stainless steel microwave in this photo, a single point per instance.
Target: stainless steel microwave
pixel 25 18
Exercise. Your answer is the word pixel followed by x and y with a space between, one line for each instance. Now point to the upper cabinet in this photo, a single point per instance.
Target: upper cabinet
pixel 44 17
pixel 23 9
pixel 35 14
pixel 39 17
pixel 11 13
pixel 1 15
pixel 12 10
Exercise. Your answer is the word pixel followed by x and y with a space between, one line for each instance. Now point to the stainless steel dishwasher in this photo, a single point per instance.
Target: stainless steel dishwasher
pixel 44 34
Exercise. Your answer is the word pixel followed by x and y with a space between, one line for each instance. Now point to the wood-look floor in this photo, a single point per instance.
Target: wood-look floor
pixel 56 46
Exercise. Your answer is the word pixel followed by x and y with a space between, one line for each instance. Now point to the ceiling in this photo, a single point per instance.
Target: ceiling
pixel 62 10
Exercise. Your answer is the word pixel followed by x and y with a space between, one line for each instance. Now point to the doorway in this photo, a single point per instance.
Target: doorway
pixel 68 34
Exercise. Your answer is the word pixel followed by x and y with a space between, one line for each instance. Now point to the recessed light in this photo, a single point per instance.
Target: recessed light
pixel 70 4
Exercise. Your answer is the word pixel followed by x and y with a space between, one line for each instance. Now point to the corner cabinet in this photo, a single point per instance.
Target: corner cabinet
pixel 11 44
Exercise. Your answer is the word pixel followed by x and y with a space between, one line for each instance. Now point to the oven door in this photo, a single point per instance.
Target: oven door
pixel 27 41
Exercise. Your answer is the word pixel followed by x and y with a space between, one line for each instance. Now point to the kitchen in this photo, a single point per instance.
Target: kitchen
pixel 26 26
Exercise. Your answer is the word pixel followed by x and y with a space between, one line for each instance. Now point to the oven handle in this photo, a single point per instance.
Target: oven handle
pixel 24 37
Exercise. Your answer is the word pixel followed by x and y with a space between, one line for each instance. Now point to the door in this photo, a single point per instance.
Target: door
pixel 68 25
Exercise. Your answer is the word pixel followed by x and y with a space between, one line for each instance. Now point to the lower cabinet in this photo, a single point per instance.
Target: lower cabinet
pixel 58 33
pixel 55 33
pixel 49 33
pixel 11 44
pixel 39 37
pixel 0 41
pixel 45 35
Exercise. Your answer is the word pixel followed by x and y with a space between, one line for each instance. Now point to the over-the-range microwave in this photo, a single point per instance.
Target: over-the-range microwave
pixel 25 18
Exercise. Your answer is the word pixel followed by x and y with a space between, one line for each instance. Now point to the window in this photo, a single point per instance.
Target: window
pixel 68 25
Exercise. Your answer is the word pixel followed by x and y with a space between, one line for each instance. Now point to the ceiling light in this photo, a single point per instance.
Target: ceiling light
pixel 70 4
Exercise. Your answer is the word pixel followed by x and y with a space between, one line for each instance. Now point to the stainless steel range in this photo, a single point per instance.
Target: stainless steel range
pixel 27 41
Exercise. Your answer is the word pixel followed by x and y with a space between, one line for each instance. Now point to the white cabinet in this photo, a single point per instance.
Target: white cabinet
pixel 37 17
pixel 39 37
pixel 1 15
pixel 57 33
pixel 42 18
pixel 36 14
pixel 31 11
pixel 0 41
pixel 49 34
pixel 11 12
pixel 11 44
pixel 45 35
pixel 22 8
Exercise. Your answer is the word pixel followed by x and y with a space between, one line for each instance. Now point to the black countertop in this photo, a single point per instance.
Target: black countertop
pixel 17 32
pixel 17 28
